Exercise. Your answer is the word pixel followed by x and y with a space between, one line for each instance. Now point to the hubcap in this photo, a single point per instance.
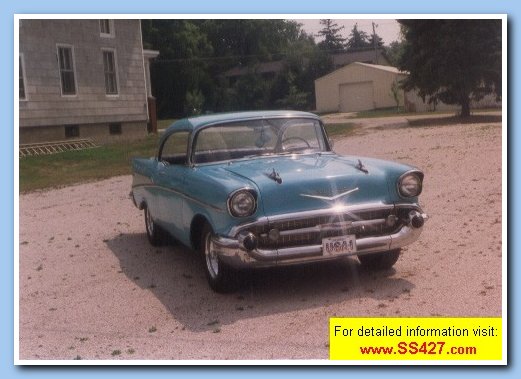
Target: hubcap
pixel 212 261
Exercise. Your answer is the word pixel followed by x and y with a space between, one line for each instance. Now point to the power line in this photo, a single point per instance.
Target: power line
pixel 280 54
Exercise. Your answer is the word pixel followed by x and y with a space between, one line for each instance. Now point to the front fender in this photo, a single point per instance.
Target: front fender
pixel 209 189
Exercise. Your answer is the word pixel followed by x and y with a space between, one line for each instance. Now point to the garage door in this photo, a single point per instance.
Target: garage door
pixel 356 97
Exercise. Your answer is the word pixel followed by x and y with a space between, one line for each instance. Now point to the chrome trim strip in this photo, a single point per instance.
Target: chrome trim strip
pixel 327 198
pixel 183 195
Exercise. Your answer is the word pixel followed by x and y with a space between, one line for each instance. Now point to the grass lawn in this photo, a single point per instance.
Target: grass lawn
pixel 79 166
pixel 163 124
pixel 343 129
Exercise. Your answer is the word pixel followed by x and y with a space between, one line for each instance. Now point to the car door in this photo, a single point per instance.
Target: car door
pixel 169 179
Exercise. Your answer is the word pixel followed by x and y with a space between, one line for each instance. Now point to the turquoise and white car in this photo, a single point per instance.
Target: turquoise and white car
pixel 261 189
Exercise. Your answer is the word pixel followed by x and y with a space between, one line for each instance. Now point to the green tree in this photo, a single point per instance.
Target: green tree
pixel 394 52
pixel 194 102
pixel 295 98
pixel 305 61
pixel 182 66
pixel 357 39
pixel 187 78
pixel 332 39
pixel 375 39
pixel 396 93
pixel 246 43
pixel 249 41
pixel 452 60
pixel 252 92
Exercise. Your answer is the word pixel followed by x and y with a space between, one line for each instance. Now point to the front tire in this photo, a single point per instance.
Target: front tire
pixel 380 261
pixel 220 277
pixel 154 233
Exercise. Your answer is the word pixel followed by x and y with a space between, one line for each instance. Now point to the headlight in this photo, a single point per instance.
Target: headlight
pixel 410 184
pixel 242 203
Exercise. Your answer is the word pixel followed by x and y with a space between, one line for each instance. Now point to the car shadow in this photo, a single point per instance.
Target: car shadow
pixel 174 275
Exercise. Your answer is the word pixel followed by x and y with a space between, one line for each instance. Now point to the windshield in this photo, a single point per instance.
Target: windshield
pixel 254 138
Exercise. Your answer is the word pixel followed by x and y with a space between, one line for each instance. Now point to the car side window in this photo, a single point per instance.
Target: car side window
pixel 174 149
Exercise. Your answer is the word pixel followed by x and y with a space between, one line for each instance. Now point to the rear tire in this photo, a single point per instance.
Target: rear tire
pixel 221 277
pixel 154 233
pixel 380 261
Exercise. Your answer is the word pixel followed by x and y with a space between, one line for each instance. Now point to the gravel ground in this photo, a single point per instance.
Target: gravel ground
pixel 91 286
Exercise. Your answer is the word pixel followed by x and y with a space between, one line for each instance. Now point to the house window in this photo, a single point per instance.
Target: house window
pixel 21 80
pixel 115 128
pixel 109 67
pixel 106 28
pixel 66 62
pixel 72 131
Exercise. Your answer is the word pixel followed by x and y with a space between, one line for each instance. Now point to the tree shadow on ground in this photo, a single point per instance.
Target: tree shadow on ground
pixel 174 274
pixel 452 120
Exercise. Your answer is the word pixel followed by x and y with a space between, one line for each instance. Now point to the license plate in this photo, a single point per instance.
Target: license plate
pixel 339 245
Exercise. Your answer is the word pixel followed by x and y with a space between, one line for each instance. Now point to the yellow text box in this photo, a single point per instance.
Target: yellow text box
pixel 407 338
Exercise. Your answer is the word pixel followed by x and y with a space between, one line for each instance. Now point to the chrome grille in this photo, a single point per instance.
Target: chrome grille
pixel 311 231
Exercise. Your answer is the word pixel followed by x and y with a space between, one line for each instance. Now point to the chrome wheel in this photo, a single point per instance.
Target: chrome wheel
pixel 154 233
pixel 212 260
pixel 149 222
pixel 221 277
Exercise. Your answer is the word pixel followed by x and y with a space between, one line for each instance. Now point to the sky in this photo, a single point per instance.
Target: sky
pixel 388 29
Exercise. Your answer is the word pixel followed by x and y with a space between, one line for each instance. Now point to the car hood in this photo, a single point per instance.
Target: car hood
pixel 318 181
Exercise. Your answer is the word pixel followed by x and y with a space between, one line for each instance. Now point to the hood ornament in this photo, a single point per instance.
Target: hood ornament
pixel 360 166
pixel 274 175
pixel 330 198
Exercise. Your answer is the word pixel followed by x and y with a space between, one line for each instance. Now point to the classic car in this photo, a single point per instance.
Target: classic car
pixel 261 189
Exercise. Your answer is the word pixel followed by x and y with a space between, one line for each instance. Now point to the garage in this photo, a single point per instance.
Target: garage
pixel 358 87
pixel 355 96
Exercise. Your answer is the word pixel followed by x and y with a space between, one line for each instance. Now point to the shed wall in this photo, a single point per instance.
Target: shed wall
pixel 327 88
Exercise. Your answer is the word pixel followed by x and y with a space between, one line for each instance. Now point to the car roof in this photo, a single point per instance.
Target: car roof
pixel 197 122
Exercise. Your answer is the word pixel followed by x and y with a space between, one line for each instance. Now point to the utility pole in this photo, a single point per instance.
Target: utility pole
pixel 375 44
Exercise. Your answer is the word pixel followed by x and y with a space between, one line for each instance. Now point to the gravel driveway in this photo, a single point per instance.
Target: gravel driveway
pixel 91 287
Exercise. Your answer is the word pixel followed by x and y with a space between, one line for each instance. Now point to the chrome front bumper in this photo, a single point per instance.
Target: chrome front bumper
pixel 233 252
